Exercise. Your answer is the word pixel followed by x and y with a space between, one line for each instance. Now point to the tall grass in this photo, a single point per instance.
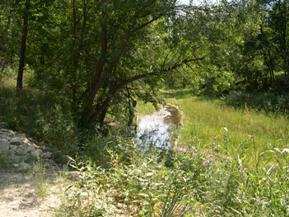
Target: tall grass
pixel 40 181
pixel 192 184
pixel 214 126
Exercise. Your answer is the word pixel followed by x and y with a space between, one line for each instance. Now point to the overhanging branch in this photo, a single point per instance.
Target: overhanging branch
pixel 159 72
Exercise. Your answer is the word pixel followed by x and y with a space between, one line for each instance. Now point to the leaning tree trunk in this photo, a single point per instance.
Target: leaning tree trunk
pixel 19 85
pixel 94 84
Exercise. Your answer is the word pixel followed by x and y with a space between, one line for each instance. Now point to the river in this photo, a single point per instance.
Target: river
pixel 156 130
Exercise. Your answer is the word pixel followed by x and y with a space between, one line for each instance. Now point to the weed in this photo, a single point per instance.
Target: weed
pixel 41 184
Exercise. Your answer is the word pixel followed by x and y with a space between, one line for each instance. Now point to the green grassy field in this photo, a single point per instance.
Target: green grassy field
pixel 212 125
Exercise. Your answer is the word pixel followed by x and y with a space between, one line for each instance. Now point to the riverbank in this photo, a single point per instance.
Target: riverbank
pixel 222 166
pixel 211 124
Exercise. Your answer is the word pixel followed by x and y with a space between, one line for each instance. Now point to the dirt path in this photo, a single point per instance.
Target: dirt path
pixel 29 184
pixel 23 195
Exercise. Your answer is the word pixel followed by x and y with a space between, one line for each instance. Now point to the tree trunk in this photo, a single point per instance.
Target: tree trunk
pixel 23 46
pixel 94 84
pixel 75 56
pixel 285 38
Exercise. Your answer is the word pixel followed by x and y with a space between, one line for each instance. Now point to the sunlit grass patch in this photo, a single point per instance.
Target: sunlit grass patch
pixel 212 125
pixel 145 108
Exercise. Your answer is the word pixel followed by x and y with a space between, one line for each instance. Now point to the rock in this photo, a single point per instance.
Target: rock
pixel 36 154
pixel 6 132
pixel 4 146
pixel 46 155
pixel 30 148
pixel 15 158
pixel 24 167
pixel 22 152
pixel 12 148
pixel 15 165
pixel 73 175
pixel 4 140
pixel 19 140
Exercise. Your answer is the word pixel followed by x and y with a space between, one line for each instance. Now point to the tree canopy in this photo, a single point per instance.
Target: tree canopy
pixel 97 55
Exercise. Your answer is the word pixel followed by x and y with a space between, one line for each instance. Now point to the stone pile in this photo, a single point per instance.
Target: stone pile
pixel 20 152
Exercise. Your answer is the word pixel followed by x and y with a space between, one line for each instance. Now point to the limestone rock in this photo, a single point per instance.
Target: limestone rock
pixel 22 152
pixel 4 145
pixel 36 154
pixel 19 140
pixel 24 167
pixel 46 155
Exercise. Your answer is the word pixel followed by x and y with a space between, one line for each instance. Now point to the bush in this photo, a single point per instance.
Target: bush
pixel 137 184
pixel 42 116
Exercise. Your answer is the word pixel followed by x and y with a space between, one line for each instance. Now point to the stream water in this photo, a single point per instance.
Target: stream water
pixel 156 129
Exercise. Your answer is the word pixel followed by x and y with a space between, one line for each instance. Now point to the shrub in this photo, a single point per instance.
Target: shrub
pixel 190 185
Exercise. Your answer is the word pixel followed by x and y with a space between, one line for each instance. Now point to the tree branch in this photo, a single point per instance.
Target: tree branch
pixel 143 25
pixel 159 72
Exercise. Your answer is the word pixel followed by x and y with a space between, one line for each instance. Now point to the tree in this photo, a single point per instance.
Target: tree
pixel 91 52
pixel 22 51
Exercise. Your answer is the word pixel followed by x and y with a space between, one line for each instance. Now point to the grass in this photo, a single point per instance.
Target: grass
pixel 174 184
pixel 212 125
pixel 237 166
pixel 41 184
pixel 145 108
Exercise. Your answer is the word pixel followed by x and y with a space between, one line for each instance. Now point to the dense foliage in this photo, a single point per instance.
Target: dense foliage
pixel 177 184
pixel 73 71
pixel 93 54
pixel 96 55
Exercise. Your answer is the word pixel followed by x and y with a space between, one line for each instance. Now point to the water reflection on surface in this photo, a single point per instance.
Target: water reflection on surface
pixel 155 130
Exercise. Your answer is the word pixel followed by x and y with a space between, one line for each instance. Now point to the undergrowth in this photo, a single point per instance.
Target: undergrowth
pixel 40 115
pixel 174 184
pixel 234 162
